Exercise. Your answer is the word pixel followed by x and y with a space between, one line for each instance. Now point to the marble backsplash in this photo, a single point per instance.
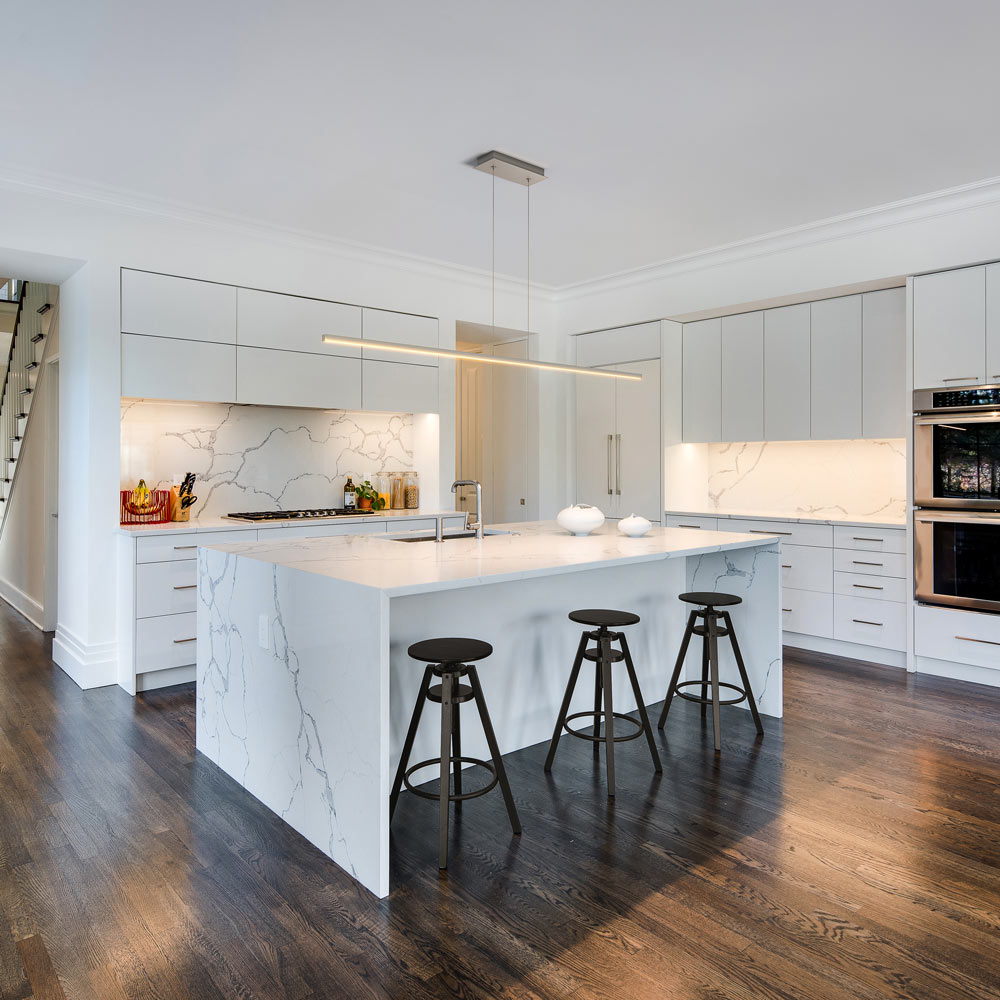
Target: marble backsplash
pixel 864 478
pixel 259 457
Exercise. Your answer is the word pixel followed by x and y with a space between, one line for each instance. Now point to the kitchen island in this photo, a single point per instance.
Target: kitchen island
pixel 304 687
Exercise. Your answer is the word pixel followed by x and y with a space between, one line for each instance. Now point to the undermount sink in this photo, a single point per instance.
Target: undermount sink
pixel 451 535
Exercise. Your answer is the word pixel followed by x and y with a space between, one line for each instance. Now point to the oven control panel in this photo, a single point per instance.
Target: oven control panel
pixel 973 398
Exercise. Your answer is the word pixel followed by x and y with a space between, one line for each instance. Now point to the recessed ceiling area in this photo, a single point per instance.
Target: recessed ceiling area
pixel 665 128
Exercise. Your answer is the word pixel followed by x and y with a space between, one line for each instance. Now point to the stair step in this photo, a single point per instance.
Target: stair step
pixel 37 337
pixel 26 392
pixel 42 310
pixel 17 437
pixel 30 366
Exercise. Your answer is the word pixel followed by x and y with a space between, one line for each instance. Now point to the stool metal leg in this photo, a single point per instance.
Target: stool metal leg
pixel 404 758
pixel 743 673
pixel 704 674
pixel 491 742
pixel 446 705
pixel 597 708
pixel 675 676
pixel 456 747
pixel 567 698
pixel 609 720
pixel 630 667
pixel 713 665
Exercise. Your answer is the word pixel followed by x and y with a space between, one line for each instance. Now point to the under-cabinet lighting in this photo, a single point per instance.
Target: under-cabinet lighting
pixel 441 352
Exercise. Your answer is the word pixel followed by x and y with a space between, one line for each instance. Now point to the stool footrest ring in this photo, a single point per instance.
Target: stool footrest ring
pixel 708 701
pixel 451 762
pixel 620 716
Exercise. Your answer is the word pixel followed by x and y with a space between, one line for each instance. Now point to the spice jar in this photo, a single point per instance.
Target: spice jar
pixel 380 483
pixel 396 491
pixel 411 490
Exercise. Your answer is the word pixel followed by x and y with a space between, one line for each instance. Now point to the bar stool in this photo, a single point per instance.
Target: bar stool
pixel 450 659
pixel 603 656
pixel 710 632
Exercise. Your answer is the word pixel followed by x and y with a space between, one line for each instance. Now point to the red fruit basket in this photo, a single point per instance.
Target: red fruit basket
pixel 157 511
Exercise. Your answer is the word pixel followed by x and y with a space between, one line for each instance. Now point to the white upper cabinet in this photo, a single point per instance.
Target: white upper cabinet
pixel 400 328
pixel 743 377
pixel 993 323
pixel 786 373
pixel 159 305
pixel 398 388
pixel 702 380
pixel 165 368
pixel 612 347
pixel 293 323
pixel 292 378
pixel 949 328
pixel 884 410
pixel 835 368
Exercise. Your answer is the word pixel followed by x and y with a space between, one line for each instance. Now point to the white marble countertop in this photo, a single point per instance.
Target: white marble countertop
pixel 230 524
pixel 536 548
pixel 858 520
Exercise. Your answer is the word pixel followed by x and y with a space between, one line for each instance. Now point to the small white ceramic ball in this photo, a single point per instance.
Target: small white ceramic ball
pixel 580 519
pixel 634 526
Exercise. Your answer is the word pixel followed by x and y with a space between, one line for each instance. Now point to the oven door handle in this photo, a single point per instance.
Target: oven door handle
pixel 951 418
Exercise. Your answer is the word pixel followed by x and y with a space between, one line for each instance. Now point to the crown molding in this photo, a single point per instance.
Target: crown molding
pixel 948 201
pixel 144 206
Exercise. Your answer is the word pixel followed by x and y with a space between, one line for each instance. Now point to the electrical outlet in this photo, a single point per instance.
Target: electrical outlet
pixel 263 627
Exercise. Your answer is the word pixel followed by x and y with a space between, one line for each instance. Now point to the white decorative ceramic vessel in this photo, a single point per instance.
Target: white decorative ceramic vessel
pixel 634 526
pixel 580 519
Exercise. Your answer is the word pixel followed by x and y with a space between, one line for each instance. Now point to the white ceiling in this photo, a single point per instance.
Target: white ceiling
pixel 666 127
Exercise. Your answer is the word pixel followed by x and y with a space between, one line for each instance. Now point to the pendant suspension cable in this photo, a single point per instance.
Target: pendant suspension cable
pixel 528 240
pixel 493 264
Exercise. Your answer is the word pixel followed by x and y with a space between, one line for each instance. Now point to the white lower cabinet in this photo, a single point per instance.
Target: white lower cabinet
pixel 870 622
pixel 166 588
pixel 806 567
pixel 693 521
pixel 190 370
pixel 165 642
pixel 807 611
pixel 870 563
pixel 884 588
pixel 398 388
pixel 958 636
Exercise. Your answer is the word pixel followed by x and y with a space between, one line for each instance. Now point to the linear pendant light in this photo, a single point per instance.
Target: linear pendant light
pixel 508 168
pixel 489 359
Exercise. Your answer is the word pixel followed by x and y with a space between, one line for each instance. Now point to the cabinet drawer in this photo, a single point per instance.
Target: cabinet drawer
pixel 871 623
pixel 789 531
pixel 958 636
pixel 870 539
pixel 807 567
pixel 165 588
pixel 162 368
pixel 695 521
pixel 184 545
pixel 871 563
pixel 887 588
pixel 808 612
pixel 165 641
pixel 291 378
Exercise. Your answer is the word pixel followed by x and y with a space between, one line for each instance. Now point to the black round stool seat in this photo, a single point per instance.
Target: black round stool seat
pixel 711 600
pixel 603 618
pixel 450 650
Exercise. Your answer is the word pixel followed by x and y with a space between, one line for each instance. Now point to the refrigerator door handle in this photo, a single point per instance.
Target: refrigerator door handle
pixel 609 466
pixel 618 464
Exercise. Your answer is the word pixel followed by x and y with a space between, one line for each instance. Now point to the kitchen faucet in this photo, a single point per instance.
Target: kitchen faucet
pixel 479 504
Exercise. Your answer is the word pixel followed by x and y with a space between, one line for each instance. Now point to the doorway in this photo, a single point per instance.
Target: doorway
pixel 492 424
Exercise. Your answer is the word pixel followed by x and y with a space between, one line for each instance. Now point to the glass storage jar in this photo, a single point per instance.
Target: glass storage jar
pixel 411 490
pixel 396 491
pixel 380 483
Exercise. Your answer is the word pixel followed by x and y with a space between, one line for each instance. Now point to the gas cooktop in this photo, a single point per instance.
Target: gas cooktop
pixel 285 515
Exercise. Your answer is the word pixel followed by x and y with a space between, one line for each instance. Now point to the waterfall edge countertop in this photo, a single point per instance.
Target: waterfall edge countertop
pixel 534 548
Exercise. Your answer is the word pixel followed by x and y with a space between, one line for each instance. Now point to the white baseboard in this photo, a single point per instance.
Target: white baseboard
pixel 164 678
pixel 958 671
pixel 23 603
pixel 840 647
pixel 90 666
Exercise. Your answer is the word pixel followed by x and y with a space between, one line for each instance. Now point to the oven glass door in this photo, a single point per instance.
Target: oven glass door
pixel 964 564
pixel 958 461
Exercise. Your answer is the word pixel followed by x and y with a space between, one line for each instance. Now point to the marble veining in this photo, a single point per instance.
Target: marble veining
pixel 259 457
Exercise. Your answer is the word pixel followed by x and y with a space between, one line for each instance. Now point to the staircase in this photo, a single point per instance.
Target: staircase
pixel 32 318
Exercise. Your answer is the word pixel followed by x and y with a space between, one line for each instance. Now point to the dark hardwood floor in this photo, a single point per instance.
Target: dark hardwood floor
pixel 855 852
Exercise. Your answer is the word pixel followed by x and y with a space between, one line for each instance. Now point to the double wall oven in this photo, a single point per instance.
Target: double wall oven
pixel 956 483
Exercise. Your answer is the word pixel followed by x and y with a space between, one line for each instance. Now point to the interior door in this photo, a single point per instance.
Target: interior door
pixel 595 426
pixel 638 455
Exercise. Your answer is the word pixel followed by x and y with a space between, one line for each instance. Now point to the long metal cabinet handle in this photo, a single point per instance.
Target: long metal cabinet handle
pixel 759 531
pixel 861 621
pixel 178 642
pixel 861 538
pixel 961 378
pixel 618 464
pixel 985 642
pixel 866 586
pixel 189 586
pixel 610 491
